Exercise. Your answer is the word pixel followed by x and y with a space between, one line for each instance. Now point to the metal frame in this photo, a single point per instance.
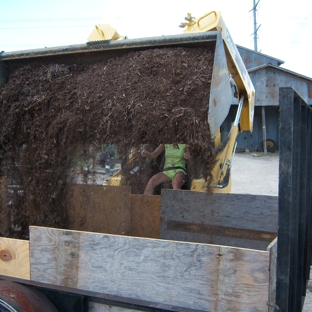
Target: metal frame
pixel 75 300
pixel 295 189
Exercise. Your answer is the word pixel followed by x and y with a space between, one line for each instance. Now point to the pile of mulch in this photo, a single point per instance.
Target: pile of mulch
pixel 52 115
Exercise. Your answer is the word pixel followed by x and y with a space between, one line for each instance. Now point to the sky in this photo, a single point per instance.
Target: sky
pixel 284 26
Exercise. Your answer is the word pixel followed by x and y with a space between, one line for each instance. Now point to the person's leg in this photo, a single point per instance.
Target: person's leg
pixel 178 180
pixel 154 181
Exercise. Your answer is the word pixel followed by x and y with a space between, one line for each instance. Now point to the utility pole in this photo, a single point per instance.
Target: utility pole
pixel 255 25
pixel 255 36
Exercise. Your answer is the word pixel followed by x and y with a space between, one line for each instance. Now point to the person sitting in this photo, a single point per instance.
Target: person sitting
pixel 174 168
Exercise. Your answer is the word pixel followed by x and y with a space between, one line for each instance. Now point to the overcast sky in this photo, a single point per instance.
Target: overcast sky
pixel 285 26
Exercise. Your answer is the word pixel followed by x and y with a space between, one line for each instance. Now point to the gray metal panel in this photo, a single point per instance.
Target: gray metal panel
pixel 91 47
pixel 241 220
pixel 254 59
pixel 91 53
pixel 267 87
pixel 253 141
pixel 268 80
pixel 220 91
pixel 281 69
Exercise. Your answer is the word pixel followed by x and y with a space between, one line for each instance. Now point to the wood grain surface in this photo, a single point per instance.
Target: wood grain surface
pixel 100 208
pixel 14 258
pixel 145 216
pixel 189 275
pixel 97 307
pixel 239 220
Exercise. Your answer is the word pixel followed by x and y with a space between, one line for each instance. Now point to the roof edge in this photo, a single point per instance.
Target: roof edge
pixel 280 62
pixel 278 68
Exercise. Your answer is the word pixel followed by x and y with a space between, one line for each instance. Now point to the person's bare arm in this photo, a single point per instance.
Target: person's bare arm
pixel 186 154
pixel 154 154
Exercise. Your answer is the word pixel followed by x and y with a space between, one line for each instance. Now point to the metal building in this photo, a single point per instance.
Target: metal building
pixel 268 77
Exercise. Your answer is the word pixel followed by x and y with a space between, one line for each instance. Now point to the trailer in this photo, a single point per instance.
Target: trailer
pixel 226 252
pixel 181 250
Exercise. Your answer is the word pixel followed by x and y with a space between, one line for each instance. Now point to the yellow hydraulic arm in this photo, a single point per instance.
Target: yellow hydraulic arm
pixel 225 148
pixel 214 21
pixel 229 79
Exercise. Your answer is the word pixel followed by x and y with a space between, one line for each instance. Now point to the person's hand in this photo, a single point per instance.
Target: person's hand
pixel 145 153
pixel 187 155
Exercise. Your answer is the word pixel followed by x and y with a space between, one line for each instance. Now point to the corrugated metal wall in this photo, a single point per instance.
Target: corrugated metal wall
pixel 253 141
pixel 267 78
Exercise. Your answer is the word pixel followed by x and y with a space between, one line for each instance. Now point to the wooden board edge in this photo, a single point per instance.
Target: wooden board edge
pixel 272 249
pixel 15 257
pixel 233 266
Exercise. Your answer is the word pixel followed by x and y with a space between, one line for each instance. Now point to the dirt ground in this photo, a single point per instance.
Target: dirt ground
pixel 262 170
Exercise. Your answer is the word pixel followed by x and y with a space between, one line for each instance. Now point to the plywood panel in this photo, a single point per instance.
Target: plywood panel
pixel 145 216
pixel 243 276
pixel 14 258
pixel 189 275
pixel 239 220
pixel 97 307
pixel 100 208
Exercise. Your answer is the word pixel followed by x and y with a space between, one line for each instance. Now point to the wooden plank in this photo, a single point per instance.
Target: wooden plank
pixel 100 208
pixel 221 231
pixel 145 216
pixel 272 249
pixel 188 275
pixel 4 211
pixel 238 220
pixel 242 280
pixel 14 258
pixel 97 307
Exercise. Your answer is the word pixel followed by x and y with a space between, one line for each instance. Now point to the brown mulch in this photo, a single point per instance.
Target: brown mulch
pixel 52 115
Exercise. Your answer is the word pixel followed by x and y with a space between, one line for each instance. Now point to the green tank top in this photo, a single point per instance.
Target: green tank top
pixel 174 156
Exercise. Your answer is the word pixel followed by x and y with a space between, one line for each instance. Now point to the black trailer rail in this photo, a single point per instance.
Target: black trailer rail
pixel 68 299
pixel 295 189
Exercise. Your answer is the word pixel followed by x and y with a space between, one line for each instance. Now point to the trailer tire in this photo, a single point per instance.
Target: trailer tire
pixel 15 297
pixel 271 145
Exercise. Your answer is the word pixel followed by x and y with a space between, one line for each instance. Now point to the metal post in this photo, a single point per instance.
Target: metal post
pixel 264 130
pixel 256 49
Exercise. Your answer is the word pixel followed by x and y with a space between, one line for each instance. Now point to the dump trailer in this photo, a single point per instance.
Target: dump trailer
pixel 183 250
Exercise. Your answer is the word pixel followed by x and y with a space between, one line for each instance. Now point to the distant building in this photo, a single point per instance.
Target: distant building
pixel 268 77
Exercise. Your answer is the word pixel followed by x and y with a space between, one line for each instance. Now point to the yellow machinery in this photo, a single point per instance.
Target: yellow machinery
pixel 165 229
pixel 230 82
pixel 104 32
pixel 237 72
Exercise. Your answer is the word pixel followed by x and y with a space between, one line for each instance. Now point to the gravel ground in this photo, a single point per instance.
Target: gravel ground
pixel 262 170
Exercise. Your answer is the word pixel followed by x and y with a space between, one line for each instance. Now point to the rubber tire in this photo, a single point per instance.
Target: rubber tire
pixel 15 297
pixel 271 146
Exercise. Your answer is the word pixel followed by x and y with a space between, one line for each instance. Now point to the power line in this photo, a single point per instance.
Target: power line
pixel 41 27
pixel 49 20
